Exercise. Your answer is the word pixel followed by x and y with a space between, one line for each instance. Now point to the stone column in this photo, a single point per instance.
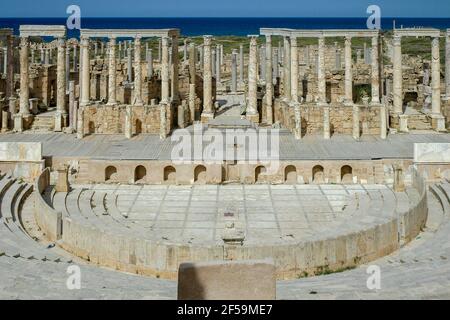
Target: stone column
pixel 112 72
pixel 192 97
pixel 287 69
pixel 129 65
pixel 218 66
pixel 71 104
pixel 149 63
pixel 95 50
pixel 435 77
pixel 326 122
pixel 5 61
pixel 447 65
pixel 208 111
pixel 276 72
pixel 42 55
pixel 80 124
pixel 192 63
pixel 128 128
pixel 298 121
pixel 213 62
pixel 85 64
pixel 375 72
pixel 163 118
pixel 252 106
pixel 159 49
pixel 356 128
pixel 399 182
pixel 185 50
pixel 307 60
pixel 75 58
pixel 294 70
pixel 234 71
pixel 262 63
pixel 348 72
pixel 398 77
pixel 67 66
pixel 24 80
pixel 61 111
pixel 269 80
pixel 338 59
pixel 241 63
pixel 174 70
pixel 137 73
pixel 164 58
pixel 32 55
pixel 322 85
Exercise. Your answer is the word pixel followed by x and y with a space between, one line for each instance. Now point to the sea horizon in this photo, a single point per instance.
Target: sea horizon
pixel 227 26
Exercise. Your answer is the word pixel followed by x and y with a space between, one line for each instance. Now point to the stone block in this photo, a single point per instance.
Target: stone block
pixel 233 280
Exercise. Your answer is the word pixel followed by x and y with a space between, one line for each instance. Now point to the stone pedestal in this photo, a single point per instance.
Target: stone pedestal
pixel 403 121
pixel 163 121
pixel 356 126
pixel 128 123
pixel 18 122
pixel 80 124
pixel 298 121
pixel 62 184
pixel 34 105
pixel 5 118
pixel 326 123
pixel 399 183
pixel 181 114
pixel 383 122
pixel 58 121
pixel 438 122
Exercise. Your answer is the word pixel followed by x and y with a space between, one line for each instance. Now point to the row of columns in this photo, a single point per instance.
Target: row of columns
pixel 166 68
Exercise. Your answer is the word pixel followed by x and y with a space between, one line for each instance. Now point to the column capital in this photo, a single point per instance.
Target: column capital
pixel 84 42
pixel 113 39
pixel 293 41
pixel 253 39
pixel 268 38
pixel 435 42
pixel 348 39
pixel 207 40
pixel 24 41
pixel 61 42
pixel 397 40
pixel 137 40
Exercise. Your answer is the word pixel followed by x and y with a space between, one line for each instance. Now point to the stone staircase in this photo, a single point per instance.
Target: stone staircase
pixel 43 123
pixel 419 122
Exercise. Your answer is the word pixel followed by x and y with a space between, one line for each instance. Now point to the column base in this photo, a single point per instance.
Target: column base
pixel 438 122
pixel 59 121
pixel 206 117
pixel 403 123
pixel 18 123
pixel 253 117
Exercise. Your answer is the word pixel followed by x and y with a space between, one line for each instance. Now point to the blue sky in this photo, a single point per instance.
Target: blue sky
pixel 225 8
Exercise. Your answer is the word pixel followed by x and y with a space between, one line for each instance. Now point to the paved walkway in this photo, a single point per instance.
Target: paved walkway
pixel 269 214
pixel 150 147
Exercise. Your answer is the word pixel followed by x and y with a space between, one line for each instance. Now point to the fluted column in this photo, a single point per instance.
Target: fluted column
pixel 24 85
pixel 61 78
pixel 398 77
pixel 269 80
pixel 348 71
pixel 375 72
pixel 207 79
pixel 252 106
pixel 137 72
pixel 241 63
pixel 435 77
pixel 322 86
pixel 164 70
pixel 234 71
pixel 287 69
pixel 192 63
pixel 149 58
pixel 447 65
pixel 294 70
pixel 174 70
pixel 112 72
pixel 85 72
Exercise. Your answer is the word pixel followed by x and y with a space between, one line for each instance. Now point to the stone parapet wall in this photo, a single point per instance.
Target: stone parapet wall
pixel 48 219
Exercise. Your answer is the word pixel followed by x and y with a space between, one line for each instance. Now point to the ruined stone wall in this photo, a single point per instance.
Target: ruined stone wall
pixel 341 118
pixel 43 84
pixel 104 119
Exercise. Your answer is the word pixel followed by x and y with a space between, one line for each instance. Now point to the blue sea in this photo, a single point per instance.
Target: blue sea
pixel 227 26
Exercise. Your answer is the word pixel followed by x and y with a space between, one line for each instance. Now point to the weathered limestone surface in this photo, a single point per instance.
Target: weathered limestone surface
pixel 241 280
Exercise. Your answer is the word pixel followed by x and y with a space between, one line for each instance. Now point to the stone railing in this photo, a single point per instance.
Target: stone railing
pixel 48 219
